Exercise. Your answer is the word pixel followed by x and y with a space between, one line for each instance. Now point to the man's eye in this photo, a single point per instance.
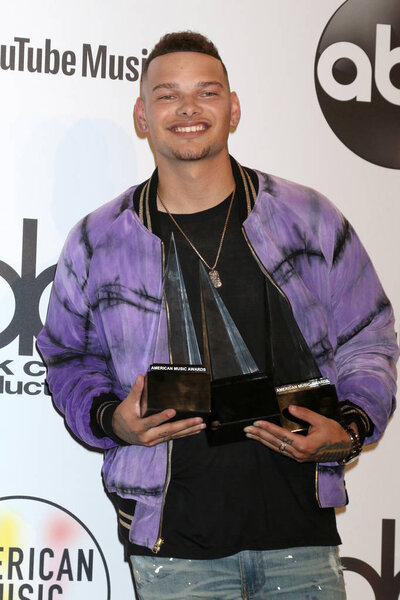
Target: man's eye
pixel 207 94
pixel 166 97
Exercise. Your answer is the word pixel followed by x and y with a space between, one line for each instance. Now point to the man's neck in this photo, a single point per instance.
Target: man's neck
pixel 193 186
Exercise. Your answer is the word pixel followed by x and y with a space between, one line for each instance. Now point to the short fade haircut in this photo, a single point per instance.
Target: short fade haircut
pixel 182 41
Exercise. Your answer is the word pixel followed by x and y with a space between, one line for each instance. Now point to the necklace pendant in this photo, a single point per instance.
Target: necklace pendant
pixel 215 278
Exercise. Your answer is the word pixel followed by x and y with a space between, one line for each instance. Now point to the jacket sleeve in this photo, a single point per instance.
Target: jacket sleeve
pixel 366 348
pixel 78 369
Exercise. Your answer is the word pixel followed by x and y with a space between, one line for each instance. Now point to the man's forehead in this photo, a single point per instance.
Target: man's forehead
pixel 194 66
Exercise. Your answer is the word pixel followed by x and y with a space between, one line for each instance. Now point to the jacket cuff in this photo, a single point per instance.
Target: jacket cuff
pixel 351 413
pixel 101 415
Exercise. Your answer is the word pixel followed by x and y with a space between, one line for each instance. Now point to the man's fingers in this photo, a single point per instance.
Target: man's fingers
pixel 326 440
pixel 276 438
pixel 158 418
pixel 130 426
pixel 305 414
pixel 271 432
pixel 137 389
pixel 187 433
pixel 282 446
pixel 172 431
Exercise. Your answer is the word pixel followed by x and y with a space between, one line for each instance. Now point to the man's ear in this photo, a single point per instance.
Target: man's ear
pixel 140 115
pixel 235 110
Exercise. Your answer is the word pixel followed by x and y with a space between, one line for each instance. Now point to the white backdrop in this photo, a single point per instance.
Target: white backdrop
pixel 67 145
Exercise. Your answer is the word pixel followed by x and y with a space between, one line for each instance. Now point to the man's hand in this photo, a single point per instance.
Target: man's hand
pixel 149 431
pixel 326 440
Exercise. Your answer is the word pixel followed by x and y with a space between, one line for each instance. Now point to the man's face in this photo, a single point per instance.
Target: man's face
pixel 187 106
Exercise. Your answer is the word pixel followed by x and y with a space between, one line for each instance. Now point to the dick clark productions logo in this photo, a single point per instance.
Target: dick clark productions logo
pixel 357 78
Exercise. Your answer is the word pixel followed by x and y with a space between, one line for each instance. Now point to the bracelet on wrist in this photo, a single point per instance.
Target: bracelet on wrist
pixel 356 445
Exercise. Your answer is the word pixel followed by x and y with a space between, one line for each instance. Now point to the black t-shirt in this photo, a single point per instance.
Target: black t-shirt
pixel 238 496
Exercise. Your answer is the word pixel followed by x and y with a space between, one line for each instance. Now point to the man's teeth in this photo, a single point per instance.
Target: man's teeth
pixel 191 129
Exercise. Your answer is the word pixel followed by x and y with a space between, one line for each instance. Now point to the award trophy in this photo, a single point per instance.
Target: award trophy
pixel 316 394
pixel 298 382
pixel 240 393
pixel 183 383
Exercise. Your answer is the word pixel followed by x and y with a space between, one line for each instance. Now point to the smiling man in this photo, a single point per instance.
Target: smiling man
pixel 250 519
pixel 188 110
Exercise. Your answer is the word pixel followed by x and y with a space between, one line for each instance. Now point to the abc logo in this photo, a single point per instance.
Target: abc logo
pixel 357 78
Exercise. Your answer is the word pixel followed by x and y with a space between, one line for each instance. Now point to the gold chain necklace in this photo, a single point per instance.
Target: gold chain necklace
pixel 213 273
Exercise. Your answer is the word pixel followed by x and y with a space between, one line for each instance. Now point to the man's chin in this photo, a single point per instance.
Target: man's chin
pixel 192 155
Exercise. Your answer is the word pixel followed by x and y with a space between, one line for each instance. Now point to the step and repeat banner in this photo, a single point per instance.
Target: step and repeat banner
pixel 319 84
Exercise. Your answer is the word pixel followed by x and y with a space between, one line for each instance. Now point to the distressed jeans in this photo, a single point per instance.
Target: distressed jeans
pixel 305 573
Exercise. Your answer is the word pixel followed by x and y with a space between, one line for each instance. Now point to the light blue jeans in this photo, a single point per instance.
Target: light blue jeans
pixel 306 573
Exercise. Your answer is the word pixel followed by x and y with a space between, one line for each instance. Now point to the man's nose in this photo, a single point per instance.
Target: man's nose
pixel 189 107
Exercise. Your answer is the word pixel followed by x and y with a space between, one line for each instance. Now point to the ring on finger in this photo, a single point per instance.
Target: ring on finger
pixel 282 447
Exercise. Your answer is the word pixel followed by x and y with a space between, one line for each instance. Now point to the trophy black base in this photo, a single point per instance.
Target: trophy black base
pixel 185 388
pixel 317 395
pixel 237 402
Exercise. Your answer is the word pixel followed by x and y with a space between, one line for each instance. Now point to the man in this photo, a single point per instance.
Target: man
pixel 251 519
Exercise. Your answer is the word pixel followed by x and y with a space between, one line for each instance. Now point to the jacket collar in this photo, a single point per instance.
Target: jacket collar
pixel 145 196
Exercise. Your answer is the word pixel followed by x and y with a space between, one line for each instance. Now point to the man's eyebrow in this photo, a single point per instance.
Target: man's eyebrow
pixel 172 85
pixel 203 84
pixel 165 86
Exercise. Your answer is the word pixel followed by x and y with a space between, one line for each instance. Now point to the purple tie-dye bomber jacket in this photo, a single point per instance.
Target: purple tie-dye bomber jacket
pixel 105 305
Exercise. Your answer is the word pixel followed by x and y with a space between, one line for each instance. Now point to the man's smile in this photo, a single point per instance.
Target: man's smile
pixel 188 129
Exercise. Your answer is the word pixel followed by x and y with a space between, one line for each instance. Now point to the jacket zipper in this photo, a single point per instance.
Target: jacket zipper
pixel 160 540
pixel 270 278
